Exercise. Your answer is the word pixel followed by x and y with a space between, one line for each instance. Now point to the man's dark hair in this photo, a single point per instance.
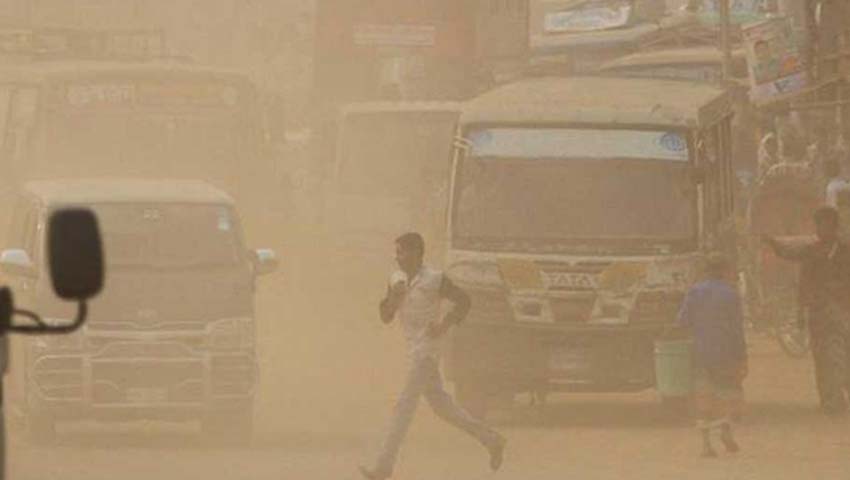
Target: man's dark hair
pixel 826 214
pixel 412 241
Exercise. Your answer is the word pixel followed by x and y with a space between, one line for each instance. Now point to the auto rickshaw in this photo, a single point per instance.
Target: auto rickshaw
pixel 780 206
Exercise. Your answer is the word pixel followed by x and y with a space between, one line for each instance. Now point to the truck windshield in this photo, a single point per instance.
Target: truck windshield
pixel 398 155
pixel 168 235
pixel 574 185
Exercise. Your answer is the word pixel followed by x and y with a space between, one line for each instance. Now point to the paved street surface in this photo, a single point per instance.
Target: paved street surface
pixel 329 375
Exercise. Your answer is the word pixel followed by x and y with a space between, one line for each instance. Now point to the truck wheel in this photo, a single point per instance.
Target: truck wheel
pixel 230 427
pixel 472 397
pixel 41 427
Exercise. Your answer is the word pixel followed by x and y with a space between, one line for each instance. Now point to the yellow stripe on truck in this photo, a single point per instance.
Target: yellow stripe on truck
pixel 521 274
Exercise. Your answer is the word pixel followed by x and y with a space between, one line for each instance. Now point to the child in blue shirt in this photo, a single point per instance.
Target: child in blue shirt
pixel 712 313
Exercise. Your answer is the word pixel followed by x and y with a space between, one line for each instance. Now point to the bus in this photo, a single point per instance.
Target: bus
pixel 108 115
pixel 580 211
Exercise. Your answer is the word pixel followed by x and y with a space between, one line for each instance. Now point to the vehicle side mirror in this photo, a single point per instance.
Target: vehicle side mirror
pixel 75 254
pixel 265 261
pixel 17 262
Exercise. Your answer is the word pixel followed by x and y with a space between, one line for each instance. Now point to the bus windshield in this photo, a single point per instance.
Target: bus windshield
pixel 574 185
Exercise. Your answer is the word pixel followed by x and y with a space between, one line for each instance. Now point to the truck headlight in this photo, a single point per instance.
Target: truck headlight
pixel 231 333
pixel 482 274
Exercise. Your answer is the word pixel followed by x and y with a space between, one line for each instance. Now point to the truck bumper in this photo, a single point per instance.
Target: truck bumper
pixel 512 357
pixel 81 387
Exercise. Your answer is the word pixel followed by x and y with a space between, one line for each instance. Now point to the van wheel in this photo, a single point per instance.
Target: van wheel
pixel 230 427
pixel 41 427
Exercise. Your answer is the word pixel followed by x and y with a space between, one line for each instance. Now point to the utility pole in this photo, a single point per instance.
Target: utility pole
pixel 725 41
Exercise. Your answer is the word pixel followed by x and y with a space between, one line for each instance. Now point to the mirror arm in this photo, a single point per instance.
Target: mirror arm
pixel 42 328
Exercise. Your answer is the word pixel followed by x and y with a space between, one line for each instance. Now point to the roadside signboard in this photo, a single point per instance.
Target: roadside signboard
pixel 740 11
pixel 775 60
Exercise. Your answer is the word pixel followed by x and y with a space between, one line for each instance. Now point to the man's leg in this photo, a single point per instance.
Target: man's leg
pixel 828 351
pixel 402 417
pixel 445 407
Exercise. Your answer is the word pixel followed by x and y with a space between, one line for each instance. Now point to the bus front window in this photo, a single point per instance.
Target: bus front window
pixel 576 186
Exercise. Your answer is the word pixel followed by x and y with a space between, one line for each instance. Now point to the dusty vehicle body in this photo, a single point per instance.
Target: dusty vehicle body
pixel 135 118
pixel 701 64
pixel 698 64
pixel 580 208
pixel 406 50
pixel 172 335
pixel 390 176
pixel 576 36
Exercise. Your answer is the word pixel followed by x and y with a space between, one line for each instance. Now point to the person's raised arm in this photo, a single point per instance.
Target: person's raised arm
pixel 389 305
pixel 786 252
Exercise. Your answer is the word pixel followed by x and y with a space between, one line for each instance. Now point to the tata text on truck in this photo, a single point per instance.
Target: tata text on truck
pixel 579 210
pixel 172 335
pixel 84 104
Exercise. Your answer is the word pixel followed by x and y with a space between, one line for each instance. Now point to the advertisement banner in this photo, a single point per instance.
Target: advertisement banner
pixel 740 11
pixel 775 60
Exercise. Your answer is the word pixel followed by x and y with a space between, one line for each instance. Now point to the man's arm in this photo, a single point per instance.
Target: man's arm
pixel 389 305
pixel 460 301
pixel 796 253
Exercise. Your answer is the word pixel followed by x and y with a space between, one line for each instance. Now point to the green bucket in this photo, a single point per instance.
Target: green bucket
pixel 673 367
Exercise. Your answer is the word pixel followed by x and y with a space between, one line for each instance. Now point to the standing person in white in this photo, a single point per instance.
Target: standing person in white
pixel 838 195
pixel 414 296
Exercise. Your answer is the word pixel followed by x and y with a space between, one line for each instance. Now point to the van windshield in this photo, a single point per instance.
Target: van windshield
pixel 574 186
pixel 168 235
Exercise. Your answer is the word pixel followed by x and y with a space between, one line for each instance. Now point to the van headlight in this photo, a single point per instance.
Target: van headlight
pixel 231 334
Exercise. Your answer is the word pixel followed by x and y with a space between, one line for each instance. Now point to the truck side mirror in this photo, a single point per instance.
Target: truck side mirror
pixel 75 254
pixel 265 261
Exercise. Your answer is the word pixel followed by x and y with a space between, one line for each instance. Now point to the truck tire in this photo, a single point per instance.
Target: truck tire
pixel 229 427
pixel 41 427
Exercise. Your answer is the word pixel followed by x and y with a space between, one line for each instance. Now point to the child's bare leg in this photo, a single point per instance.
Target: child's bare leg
pixel 705 421
pixel 726 434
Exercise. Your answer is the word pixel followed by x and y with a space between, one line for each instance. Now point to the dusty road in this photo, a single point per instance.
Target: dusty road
pixel 329 375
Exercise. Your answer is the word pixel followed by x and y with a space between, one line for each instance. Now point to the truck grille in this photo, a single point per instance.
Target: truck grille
pixel 232 375
pixel 572 310
pixel 59 377
pixel 656 306
pixel 147 381
pixel 490 306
